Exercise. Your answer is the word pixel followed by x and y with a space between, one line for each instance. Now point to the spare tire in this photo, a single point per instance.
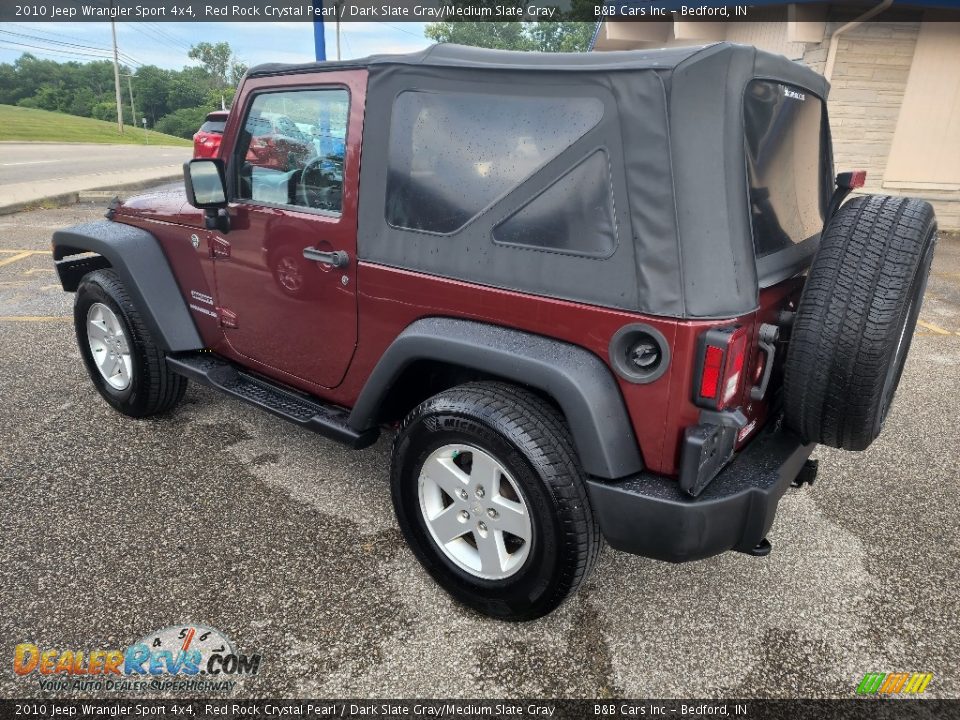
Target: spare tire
pixel 856 317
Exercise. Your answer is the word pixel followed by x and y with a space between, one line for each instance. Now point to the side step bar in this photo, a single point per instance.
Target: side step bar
pixel 307 412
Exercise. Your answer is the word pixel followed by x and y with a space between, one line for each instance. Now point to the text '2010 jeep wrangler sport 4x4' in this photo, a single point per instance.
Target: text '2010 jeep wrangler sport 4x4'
pixel 603 295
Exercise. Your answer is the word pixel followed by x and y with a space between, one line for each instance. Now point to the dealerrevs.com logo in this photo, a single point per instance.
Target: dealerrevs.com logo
pixel 894 683
pixel 180 657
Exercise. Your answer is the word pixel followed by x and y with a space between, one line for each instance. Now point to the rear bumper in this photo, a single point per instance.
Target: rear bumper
pixel 650 515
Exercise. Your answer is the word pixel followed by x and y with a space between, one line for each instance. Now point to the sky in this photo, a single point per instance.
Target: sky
pixel 166 44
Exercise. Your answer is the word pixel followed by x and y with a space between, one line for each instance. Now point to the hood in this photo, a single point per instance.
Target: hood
pixel 167 206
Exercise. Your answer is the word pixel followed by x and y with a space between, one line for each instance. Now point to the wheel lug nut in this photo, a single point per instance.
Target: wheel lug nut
pixel 463 495
pixel 493 513
pixel 482 526
pixel 480 492
pixel 464 515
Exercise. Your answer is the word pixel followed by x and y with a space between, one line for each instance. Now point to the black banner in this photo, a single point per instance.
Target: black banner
pixel 410 10
pixel 853 709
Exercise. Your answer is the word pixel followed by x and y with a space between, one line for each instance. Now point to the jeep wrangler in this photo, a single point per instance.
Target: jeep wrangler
pixel 616 295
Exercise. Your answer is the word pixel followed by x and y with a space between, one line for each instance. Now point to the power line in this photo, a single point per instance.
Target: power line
pixel 164 33
pixel 67 52
pixel 53 42
pixel 51 52
pixel 412 34
pixel 44 31
pixel 94 52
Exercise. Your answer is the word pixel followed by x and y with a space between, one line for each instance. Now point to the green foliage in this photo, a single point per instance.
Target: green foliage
pixel 87 89
pixel 219 62
pixel 182 123
pixel 570 34
pixel 498 35
pixel 104 110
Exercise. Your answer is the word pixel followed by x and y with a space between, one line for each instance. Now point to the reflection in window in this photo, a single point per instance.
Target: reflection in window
pixel 574 215
pixel 452 154
pixel 292 148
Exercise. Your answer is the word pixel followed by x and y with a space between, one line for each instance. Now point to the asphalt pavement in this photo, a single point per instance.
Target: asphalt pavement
pixel 32 172
pixel 286 542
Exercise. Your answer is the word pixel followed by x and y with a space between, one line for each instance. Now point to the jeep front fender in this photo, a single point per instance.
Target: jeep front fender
pixel 137 258
pixel 578 381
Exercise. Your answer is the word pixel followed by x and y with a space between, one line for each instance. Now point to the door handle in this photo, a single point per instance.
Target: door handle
pixel 335 258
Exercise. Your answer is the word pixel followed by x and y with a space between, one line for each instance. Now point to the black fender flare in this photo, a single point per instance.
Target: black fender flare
pixel 137 258
pixel 578 381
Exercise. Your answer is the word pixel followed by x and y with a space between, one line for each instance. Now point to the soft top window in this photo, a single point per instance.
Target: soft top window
pixel 452 154
pixel 787 166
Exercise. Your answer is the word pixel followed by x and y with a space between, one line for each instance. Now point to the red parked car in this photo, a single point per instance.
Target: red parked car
pixel 611 295
pixel 206 141
pixel 276 142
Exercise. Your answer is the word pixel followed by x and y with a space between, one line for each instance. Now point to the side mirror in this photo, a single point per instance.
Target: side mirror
pixel 204 182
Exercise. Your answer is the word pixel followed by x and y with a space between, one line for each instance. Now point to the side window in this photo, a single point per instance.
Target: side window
pixel 573 216
pixel 291 149
pixel 453 153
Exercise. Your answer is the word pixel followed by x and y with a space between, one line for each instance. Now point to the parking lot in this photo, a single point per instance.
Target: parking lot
pixel 223 516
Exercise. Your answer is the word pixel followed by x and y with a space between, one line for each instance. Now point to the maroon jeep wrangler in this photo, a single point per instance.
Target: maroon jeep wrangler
pixel 609 295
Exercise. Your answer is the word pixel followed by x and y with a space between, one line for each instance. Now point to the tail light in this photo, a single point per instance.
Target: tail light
pixel 720 366
pixel 852 180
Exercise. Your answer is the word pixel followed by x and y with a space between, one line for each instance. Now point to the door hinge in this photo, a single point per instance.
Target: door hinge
pixel 228 318
pixel 219 248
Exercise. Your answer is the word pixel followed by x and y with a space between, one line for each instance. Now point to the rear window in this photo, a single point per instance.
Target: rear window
pixel 214 126
pixel 788 167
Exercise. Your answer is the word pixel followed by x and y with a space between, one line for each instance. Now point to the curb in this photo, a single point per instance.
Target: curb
pixel 91 195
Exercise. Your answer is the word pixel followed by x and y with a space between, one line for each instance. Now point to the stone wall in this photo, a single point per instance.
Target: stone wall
pixel 869 79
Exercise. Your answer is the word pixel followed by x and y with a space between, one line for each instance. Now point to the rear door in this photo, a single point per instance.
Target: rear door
pixel 284 304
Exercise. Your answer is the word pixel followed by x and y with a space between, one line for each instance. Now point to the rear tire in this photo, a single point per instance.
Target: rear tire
pixel 138 382
pixel 443 451
pixel 856 319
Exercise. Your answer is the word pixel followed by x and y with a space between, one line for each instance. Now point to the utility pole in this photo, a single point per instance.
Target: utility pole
pixel 339 7
pixel 116 78
pixel 133 108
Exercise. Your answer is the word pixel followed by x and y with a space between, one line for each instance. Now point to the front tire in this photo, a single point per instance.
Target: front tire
pixel 491 499
pixel 126 365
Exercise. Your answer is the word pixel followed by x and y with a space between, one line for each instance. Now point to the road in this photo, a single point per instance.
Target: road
pixel 220 515
pixel 31 171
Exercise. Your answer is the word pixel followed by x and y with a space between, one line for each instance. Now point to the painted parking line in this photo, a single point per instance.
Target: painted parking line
pixel 34 318
pixel 18 255
pixel 935 329
pixel 15 258
pixel 24 250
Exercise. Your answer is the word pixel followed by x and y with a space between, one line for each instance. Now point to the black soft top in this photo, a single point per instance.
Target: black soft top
pixel 447 55
pixel 673 129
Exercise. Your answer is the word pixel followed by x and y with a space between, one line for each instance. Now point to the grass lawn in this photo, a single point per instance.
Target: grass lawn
pixel 25 124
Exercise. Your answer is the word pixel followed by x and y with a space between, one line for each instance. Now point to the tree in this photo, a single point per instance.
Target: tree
pixel 189 88
pixel 152 86
pixel 568 34
pixel 182 123
pixel 220 62
pixel 499 35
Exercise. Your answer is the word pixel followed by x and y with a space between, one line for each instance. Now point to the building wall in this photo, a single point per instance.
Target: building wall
pixel 866 97
pixel 925 155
